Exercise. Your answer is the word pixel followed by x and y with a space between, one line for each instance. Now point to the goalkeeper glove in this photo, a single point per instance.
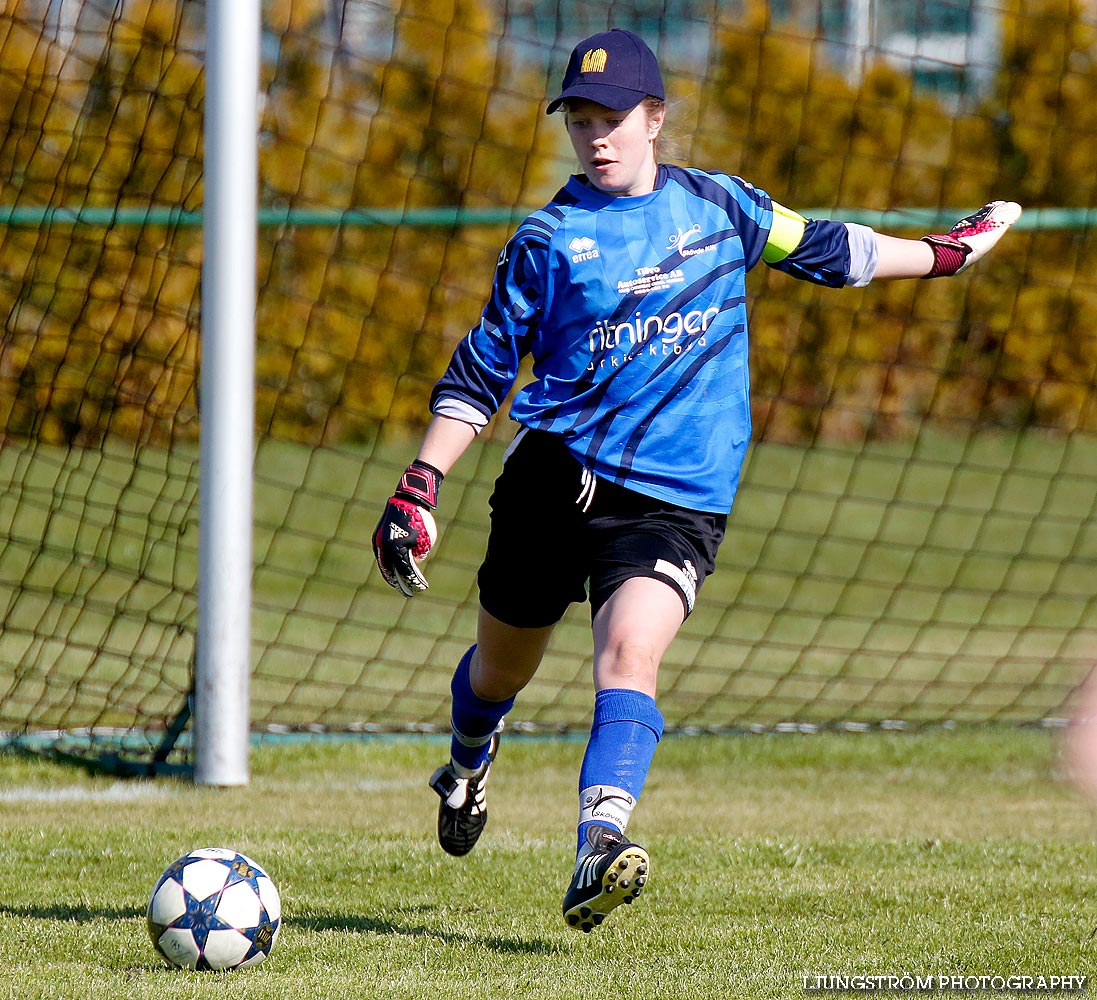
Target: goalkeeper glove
pixel 407 530
pixel 971 238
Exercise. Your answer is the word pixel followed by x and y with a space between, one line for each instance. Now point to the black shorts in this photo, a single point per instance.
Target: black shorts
pixel 544 548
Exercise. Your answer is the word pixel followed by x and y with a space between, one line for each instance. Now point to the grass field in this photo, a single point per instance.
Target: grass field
pixel 774 857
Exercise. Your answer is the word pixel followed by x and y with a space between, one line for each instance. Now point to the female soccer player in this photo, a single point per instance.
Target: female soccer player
pixel 628 290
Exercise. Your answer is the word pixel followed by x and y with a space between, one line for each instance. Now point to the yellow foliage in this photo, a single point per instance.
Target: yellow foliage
pixel 356 322
pixel 882 361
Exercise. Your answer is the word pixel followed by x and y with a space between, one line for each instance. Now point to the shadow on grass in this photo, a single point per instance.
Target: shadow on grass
pixel 377 925
pixel 320 922
pixel 73 914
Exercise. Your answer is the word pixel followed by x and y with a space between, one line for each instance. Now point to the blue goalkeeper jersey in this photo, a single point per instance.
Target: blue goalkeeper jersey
pixel 634 312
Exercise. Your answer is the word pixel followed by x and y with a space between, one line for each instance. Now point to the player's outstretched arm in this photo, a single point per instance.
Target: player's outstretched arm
pixel 406 531
pixel 941 255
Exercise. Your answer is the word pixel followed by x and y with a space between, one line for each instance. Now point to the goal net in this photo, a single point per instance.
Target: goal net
pixel 915 538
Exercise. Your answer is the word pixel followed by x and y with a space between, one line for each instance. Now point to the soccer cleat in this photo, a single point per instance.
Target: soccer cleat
pixel 614 871
pixel 463 812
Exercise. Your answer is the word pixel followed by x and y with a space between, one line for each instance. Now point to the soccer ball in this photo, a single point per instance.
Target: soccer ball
pixel 214 909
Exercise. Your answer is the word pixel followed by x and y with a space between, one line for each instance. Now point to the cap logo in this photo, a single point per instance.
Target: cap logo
pixel 594 61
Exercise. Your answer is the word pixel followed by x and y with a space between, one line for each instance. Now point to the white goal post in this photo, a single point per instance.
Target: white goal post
pixel 227 402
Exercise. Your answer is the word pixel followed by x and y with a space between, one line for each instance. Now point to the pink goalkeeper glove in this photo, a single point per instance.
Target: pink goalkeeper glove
pixel 971 238
pixel 407 530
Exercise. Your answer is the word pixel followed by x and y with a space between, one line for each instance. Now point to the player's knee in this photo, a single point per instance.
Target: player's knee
pixel 627 663
pixel 505 660
pixel 496 682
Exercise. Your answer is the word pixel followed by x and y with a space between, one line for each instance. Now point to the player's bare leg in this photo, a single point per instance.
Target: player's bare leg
pixel 632 632
pixel 506 657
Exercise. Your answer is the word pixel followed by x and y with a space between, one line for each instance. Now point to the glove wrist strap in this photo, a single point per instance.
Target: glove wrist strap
pixel 420 484
pixel 949 255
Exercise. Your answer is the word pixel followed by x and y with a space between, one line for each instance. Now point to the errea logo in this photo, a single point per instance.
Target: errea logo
pixel 583 248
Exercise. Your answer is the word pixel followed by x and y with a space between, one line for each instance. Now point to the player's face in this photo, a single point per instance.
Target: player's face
pixel 616 149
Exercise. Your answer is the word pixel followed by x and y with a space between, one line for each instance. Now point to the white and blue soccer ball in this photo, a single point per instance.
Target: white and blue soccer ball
pixel 214 909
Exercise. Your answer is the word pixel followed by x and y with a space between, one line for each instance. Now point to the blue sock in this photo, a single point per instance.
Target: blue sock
pixel 627 726
pixel 473 719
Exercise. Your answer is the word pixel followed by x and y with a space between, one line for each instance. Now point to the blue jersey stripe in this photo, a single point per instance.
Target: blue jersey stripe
pixel 684 378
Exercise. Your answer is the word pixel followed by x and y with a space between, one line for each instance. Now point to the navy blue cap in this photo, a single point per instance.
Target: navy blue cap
pixel 614 68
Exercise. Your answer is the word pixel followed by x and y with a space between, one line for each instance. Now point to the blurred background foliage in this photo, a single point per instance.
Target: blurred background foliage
pixel 356 321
